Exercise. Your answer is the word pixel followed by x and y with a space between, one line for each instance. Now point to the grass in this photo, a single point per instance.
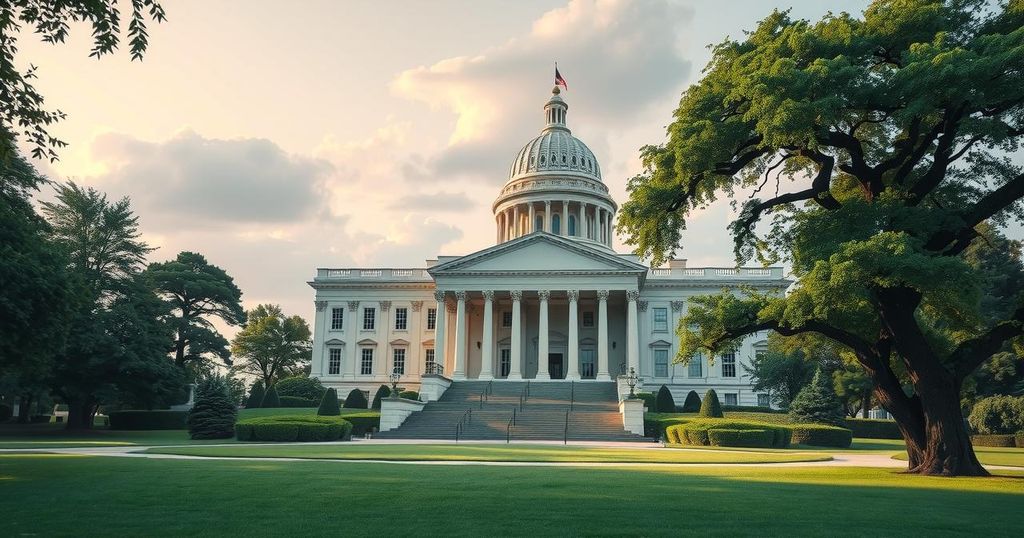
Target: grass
pixel 143 497
pixel 486 452
pixel 991 455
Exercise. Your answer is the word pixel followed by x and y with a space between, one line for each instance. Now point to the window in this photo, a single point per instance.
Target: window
pixel 505 362
pixel 538 223
pixel 431 318
pixel 587 363
pixel 398 361
pixel 660 363
pixel 366 368
pixel 661 319
pixel 588 319
pixel 572 225
pixel 762 400
pixel 429 353
pixel 401 318
pixel 556 224
pixel 334 361
pixel 337 319
pixel 696 366
pixel 369 319
pixel 731 399
pixel 506 319
pixel 729 364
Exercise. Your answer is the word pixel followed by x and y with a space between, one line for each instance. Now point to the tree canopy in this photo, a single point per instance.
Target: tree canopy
pixel 896 130
pixel 271 344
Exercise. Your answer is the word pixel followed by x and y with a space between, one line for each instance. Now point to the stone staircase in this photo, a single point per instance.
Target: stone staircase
pixel 594 415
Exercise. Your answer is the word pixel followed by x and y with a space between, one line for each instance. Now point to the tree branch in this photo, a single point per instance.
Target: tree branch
pixel 990 204
pixel 971 353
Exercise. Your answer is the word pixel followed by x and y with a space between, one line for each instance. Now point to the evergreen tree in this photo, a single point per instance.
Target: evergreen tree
pixel 664 403
pixel 214 414
pixel 692 403
pixel 255 396
pixel 271 399
pixel 382 392
pixel 817 403
pixel 356 400
pixel 329 404
pixel 711 407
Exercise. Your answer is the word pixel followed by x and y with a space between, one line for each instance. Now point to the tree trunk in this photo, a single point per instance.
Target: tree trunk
pixel 80 414
pixel 25 409
pixel 948 450
pixel 865 404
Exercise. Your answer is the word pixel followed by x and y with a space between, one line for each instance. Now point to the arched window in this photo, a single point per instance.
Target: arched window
pixel 556 224
pixel 574 160
pixel 572 225
pixel 538 224
pixel 541 159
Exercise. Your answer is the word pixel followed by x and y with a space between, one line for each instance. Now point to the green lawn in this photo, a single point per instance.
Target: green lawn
pixel 489 452
pixel 991 455
pixel 82 496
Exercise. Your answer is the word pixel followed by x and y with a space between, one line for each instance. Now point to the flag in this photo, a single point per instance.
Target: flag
pixel 559 81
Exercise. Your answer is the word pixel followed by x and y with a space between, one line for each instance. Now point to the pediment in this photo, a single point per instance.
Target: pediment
pixel 660 343
pixel 539 252
pixel 334 342
pixel 399 342
pixel 429 343
pixel 367 342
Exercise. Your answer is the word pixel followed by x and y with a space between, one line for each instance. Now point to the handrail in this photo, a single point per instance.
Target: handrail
pixel 483 398
pixel 490 387
pixel 527 389
pixel 565 434
pixel 572 394
pixel 509 425
pixel 460 426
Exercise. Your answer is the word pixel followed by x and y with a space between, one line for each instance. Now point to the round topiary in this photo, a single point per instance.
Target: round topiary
pixel 309 388
pixel 692 403
pixel 329 404
pixel 382 392
pixel 711 407
pixel 255 396
pixel 355 400
pixel 665 403
pixel 271 399
pixel 213 415
pixel 817 403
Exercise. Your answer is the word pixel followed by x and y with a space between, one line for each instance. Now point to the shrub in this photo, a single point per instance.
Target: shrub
pixel 213 415
pixel 356 400
pixel 665 403
pixel 308 388
pixel 6 412
pixel 998 414
pixel 45 419
pixel 874 429
pixel 821 435
pixel 692 403
pixel 741 438
pixel 697 432
pixel 751 409
pixel 994 439
pixel 147 420
pixel 409 395
pixel 271 399
pixel 817 403
pixel 295 401
pixel 771 418
pixel 363 423
pixel 382 392
pixel 329 404
pixel 656 426
pixel 650 401
pixel 711 407
pixel 293 428
pixel 255 396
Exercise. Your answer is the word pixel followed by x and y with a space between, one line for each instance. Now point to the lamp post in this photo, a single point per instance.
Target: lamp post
pixel 631 380
pixel 394 377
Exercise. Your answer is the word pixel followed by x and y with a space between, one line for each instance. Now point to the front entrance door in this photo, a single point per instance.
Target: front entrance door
pixel 555 366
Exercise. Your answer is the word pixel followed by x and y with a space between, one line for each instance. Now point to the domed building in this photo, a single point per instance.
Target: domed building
pixel 551 301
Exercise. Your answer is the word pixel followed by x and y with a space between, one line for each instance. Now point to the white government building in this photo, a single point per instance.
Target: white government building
pixel 551 300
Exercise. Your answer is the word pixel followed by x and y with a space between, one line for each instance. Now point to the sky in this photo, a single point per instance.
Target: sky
pixel 369 133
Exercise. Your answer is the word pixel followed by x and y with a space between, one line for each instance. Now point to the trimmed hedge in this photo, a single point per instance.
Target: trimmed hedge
pixel 293 428
pixel 363 423
pixel 664 401
pixel 295 401
pixel 821 435
pixel 356 400
pixel 741 438
pixel 655 426
pixel 696 432
pixel 711 407
pixel 409 395
pixel 1020 440
pixel 995 439
pixel 382 392
pixel 650 401
pixel 329 404
pixel 148 420
pixel 751 409
pixel 692 403
pixel 870 428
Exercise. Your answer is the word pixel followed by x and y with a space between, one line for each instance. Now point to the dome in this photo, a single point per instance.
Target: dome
pixel 556 150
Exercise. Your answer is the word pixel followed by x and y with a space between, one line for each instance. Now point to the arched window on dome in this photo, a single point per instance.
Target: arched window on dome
pixel 572 225
pixel 563 159
pixel 541 159
pixel 538 223
pixel 574 160
pixel 556 224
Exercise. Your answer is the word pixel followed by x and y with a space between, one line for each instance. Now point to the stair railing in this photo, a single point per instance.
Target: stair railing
pixel 572 394
pixel 483 398
pixel 508 427
pixel 527 389
pixel 565 434
pixel 464 421
pixel 490 387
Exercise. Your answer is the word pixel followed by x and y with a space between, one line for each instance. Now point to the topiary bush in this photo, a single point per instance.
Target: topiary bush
pixel 308 388
pixel 994 439
pixel 821 435
pixel 697 432
pixel 741 438
pixel 147 420
pixel 692 402
pixel 409 395
pixel 329 404
pixel 656 426
pixel 870 428
pixel 382 392
pixel 998 415
pixel 293 428
pixel 271 399
pixel 356 400
pixel 255 396
pixel 213 415
pixel 665 403
pixel 711 407
pixel 295 401
pixel 363 423
pixel 650 401
pixel 817 403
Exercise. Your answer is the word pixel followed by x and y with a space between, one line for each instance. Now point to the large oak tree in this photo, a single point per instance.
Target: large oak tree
pixel 897 129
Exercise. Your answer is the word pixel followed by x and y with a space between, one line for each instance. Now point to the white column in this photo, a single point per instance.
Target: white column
pixel 542 336
pixel 599 225
pixel 677 311
pixel 516 349
pixel 352 318
pixel 632 333
pixel 460 337
pixel 515 222
pixel 440 336
pixel 547 216
pixel 508 224
pixel 532 217
pixel 573 371
pixel 581 221
pixel 497 224
pixel 414 355
pixel 602 336
pixel 563 227
pixel 384 324
pixel 316 363
pixel 486 347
